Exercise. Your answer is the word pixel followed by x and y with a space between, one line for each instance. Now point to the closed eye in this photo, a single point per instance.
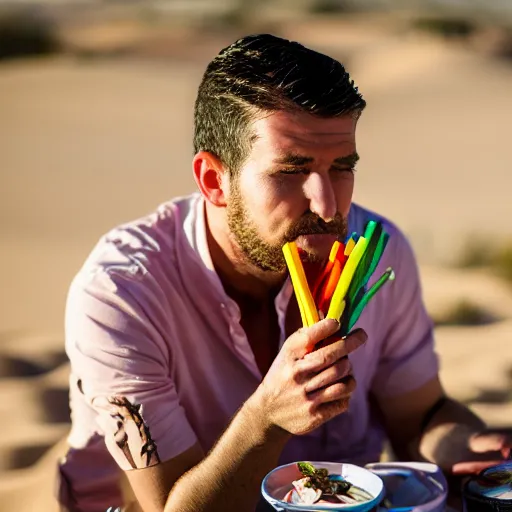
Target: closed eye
pixel 351 170
pixel 296 171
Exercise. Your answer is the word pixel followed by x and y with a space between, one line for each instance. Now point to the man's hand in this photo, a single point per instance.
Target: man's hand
pixel 482 450
pixel 458 441
pixel 304 388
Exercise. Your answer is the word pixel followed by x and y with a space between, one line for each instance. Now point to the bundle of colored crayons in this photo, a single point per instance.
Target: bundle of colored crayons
pixel 340 292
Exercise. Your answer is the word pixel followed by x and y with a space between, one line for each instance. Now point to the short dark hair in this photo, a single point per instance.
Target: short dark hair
pixel 265 73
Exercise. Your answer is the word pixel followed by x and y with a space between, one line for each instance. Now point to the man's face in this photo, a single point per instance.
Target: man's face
pixel 296 185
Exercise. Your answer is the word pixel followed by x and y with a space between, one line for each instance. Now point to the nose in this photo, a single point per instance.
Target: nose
pixel 322 200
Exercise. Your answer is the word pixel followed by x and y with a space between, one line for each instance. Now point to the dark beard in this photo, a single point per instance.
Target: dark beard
pixel 269 257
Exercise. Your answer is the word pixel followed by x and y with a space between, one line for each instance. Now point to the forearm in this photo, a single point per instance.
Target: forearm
pixel 229 478
pixel 446 435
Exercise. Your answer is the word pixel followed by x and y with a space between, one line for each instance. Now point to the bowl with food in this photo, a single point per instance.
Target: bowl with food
pixel 329 486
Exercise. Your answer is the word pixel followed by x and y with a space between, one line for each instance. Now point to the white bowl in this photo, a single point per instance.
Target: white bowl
pixel 279 481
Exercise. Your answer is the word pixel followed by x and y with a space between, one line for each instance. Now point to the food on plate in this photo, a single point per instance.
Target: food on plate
pixel 317 486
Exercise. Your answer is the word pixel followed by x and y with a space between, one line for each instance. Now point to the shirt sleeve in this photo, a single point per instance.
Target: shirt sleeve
pixel 120 363
pixel 408 358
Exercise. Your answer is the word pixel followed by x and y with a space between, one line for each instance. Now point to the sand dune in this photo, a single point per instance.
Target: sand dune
pixel 85 145
pixel 33 398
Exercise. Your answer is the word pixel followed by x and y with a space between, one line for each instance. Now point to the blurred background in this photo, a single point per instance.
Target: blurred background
pixel 96 102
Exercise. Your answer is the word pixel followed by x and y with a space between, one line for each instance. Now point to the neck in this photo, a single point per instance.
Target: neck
pixel 243 281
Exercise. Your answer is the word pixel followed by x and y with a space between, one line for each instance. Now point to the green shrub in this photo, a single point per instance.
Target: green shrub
pixel 502 261
pixel 446 27
pixel 24 34
pixel 330 6
pixel 465 313
pixel 475 254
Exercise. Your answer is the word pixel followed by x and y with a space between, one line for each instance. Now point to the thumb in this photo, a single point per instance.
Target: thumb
pixel 304 340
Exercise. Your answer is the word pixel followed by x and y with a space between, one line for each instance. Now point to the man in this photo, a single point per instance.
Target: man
pixel 189 367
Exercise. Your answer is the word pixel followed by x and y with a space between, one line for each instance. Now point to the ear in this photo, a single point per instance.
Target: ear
pixel 211 177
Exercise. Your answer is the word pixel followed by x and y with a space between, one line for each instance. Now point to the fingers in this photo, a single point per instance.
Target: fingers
pixel 324 357
pixel 333 373
pixel 489 449
pixel 490 442
pixel 473 468
pixel 339 390
pixel 330 410
pixel 307 387
pixel 303 341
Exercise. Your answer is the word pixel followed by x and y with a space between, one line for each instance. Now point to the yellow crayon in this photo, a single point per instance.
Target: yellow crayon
pixel 349 246
pixel 307 307
pixel 337 305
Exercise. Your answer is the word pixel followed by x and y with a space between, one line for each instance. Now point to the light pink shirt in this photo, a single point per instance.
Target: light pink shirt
pixel 149 322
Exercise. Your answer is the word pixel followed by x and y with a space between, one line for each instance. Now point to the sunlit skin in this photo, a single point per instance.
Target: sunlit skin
pixel 300 170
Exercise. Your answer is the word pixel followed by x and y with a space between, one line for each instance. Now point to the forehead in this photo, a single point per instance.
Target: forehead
pixel 281 131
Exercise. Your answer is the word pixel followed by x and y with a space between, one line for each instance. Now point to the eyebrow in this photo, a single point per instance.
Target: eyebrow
pixel 350 160
pixel 294 159
pixel 298 160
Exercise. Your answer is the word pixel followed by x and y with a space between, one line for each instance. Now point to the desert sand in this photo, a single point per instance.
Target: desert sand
pixel 86 144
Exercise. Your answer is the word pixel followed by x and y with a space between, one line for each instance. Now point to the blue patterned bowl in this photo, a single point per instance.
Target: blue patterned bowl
pixel 279 481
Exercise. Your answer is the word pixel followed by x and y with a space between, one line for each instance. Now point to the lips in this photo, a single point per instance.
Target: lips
pixel 317 238
pixel 316 243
